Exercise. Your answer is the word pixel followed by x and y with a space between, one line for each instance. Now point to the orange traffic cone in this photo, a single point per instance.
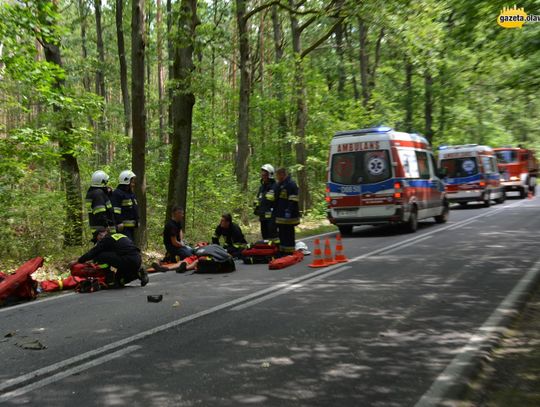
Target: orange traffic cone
pixel 339 256
pixel 317 255
pixel 328 258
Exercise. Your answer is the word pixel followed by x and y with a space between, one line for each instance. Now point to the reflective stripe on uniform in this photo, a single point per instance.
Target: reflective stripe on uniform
pixel 288 221
pixel 98 209
pixel 117 210
pixel 293 198
pixel 127 202
pixel 129 223
pixel 118 236
pixel 270 196
pixel 268 215
pixel 108 204
pixel 286 249
pixel 103 266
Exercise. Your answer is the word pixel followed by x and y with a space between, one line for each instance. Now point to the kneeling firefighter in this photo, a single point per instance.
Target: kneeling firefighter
pixel 118 251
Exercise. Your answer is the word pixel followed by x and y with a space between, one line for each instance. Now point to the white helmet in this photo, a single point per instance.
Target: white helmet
pixel 302 247
pixel 125 177
pixel 269 169
pixel 99 178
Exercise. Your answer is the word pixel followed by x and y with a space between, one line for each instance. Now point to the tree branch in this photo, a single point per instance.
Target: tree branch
pixel 259 9
pixel 323 38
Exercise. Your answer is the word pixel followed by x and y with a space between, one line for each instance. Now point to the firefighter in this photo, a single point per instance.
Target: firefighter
pixel 235 241
pixel 118 251
pixel 265 201
pixel 286 210
pixel 173 236
pixel 98 203
pixel 124 201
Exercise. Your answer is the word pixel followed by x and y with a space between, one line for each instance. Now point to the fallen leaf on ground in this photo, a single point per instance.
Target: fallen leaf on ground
pixel 32 345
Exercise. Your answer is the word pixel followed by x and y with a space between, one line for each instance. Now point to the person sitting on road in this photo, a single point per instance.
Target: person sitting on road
pixel 173 236
pixel 118 251
pixel 235 241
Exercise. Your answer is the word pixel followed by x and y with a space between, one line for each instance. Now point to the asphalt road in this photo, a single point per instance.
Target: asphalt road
pixel 377 331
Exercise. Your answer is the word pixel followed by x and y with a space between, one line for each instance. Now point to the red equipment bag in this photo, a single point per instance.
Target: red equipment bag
pixel 20 285
pixel 260 252
pixel 90 270
pixel 59 285
pixel 286 261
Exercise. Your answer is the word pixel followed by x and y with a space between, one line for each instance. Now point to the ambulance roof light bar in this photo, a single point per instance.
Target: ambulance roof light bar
pixel 359 132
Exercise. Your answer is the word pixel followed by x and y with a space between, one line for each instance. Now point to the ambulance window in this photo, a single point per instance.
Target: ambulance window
pixel 486 163
pixel 409 163
pixel 361 167
pixel 460 167
pixel 494 164
pixel 423 165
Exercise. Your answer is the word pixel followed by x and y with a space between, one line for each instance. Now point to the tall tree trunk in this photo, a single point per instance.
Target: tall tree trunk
pixel 170 58
pixel 409 96
pixel 138 157
pixel 160 73
pixel 428 104
pixel 301 113
pixel 242 153
pixel 119 15
pixel 69 168
pixel 286 146
pixel 102 148
pixel 341 64
pixel 352 58
pixel 364 62
pixel 182 105
pixel 84 50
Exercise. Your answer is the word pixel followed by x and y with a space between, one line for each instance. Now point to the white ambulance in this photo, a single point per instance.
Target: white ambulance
pixel 380 176
pixel 471 174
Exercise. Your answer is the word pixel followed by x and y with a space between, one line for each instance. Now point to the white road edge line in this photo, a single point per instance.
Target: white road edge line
pixel 66 373
pixel 66 362
pixel 287 289
pixel 488 332
pixel 407 245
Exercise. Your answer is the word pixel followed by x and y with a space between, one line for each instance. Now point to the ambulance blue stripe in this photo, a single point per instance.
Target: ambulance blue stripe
pixel 462 180
pixel 380 186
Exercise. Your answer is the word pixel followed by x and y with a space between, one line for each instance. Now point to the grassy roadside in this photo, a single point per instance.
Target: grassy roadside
pixel 511 376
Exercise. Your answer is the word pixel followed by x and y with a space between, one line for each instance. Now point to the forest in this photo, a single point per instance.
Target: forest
pixel 194 96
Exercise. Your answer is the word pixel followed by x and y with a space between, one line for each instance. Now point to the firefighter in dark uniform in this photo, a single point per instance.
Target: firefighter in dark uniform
pixel 235 241
pixel 264 203
pixel 118 251
pixel 286 212
pixel 98 203
pixel 124 201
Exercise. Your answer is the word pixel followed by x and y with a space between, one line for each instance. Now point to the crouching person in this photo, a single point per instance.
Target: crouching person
pixel 235 241
pixel 118 251
pixel 173 236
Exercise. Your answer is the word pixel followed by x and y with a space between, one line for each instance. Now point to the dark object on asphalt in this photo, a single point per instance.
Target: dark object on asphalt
pixel 154 298
pixel 32 345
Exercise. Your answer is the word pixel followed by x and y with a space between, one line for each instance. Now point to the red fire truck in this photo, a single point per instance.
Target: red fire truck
pixel 518 168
